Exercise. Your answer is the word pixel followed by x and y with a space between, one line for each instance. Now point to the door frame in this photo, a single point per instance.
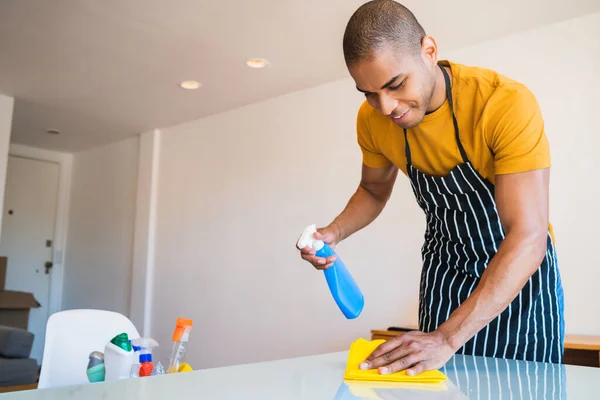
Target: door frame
pixel 65 163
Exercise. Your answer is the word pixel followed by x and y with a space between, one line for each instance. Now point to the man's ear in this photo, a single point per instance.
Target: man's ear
pixel 429 51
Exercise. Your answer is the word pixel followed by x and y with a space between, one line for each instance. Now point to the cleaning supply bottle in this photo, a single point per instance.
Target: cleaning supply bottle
pixel 183 327
pixel 144 348
pixel 342 286
pixel 95 369
pixel 118 358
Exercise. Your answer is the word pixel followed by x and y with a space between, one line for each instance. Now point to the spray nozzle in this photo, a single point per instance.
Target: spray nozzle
pixel 144 346
pixel 307 239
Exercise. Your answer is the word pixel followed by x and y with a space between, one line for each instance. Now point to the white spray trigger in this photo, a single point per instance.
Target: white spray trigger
pixel 307 239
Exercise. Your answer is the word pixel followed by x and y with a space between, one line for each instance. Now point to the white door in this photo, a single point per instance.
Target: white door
pixel 30 202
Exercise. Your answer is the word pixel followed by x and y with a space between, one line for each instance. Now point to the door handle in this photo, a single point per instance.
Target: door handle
pixel 48 265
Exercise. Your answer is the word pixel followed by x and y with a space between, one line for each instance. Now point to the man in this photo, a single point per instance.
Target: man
pixel 473 146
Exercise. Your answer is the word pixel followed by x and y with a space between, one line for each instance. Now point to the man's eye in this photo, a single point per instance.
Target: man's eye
pixel 398 86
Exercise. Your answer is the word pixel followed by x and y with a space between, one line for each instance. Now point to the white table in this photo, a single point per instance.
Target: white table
pixel 321 377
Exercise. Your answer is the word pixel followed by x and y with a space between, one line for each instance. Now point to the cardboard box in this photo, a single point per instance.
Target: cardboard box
pixel 14 308
pixel 2 273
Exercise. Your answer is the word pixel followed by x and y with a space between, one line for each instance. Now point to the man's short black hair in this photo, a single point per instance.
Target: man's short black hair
pixel 380 23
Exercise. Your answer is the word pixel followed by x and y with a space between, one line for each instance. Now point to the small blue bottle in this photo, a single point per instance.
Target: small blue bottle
pixel 342 286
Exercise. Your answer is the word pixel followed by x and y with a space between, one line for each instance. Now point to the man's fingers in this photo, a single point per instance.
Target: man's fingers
pixel 390 357
pixel 314 259
pixel 308 257
pixel 318 262
pixel 383 354
pixel 307 250
pixel 385 347
pixel 326 266
pixel 417 369
pixel 402 364
pixel 328 263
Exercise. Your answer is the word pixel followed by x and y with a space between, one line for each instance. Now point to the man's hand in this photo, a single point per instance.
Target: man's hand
pixel 414 352
pixel 329 235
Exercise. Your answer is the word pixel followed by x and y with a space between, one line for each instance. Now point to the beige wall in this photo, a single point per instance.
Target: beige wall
pixel 100 229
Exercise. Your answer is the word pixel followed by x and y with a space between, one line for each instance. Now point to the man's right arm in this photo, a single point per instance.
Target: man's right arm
pixel 364 206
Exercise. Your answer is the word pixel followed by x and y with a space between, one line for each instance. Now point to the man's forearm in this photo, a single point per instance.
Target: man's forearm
pixel 361 210
pixel 518 257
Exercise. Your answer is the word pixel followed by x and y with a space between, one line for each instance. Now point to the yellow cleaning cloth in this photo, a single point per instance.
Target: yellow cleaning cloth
pixel 361 349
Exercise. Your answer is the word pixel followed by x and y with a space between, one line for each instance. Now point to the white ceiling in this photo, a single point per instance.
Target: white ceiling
pixel 103 70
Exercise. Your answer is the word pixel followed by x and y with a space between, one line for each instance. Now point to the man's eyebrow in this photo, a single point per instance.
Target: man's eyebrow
pixel 388 84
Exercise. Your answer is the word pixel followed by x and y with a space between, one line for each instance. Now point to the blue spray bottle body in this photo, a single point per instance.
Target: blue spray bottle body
pixel 342 286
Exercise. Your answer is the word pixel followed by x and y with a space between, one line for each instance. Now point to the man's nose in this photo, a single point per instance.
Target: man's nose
pixel 387 104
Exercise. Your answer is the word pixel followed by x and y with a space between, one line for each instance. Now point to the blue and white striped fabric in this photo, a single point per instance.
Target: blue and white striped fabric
pixel 496 378
pixel 463 234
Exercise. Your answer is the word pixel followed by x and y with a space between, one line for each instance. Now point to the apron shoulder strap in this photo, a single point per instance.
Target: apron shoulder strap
pixel 463 154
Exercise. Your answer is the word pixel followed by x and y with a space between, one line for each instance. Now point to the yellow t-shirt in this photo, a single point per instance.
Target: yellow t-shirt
pixel 500 125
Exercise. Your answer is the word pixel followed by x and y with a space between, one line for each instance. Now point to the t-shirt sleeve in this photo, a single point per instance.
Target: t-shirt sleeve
pixel 516 133
pixel 371 155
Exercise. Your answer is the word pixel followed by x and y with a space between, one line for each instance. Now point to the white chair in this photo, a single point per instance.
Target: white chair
pixel 70 338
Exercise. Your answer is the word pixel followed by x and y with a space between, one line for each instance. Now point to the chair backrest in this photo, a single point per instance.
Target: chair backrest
pixel 70 338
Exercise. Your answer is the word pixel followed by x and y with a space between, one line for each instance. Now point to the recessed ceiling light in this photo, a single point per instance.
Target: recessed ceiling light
pixel 53 132
pixel 257 63
pixel 190 85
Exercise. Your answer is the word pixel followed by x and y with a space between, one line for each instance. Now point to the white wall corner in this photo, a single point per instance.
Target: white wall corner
pixel 6 116
pixel 65 162
pixel 144 233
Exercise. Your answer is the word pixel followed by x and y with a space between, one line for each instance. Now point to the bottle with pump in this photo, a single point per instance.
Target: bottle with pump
pixel 144 347
pixel 342 286
pixel 181 335
pixel 118 358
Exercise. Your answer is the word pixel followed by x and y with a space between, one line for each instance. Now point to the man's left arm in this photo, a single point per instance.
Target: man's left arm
pixel 521 193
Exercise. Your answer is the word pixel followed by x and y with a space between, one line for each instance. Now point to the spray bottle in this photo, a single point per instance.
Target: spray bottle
pixel 145 346
pixel 342 286
pixel 181 335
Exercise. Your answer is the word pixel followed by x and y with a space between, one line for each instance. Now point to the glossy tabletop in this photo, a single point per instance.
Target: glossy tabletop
pixel 321 377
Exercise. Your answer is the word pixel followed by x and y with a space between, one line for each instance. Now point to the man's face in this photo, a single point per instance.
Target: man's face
pixel 398 87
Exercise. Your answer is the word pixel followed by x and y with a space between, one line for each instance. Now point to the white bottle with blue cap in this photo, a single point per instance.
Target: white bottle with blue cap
pixel 342 286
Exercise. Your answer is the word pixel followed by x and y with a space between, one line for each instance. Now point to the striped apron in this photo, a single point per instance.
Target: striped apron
pixel 463 234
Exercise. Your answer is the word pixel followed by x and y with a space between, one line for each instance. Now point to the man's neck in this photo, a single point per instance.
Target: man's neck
pixel 439 93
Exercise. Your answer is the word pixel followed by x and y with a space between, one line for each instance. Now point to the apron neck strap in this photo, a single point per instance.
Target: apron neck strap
pixel 463 154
